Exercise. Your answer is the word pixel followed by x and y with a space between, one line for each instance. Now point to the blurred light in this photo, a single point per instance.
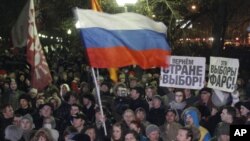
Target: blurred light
pixel 51 37
pixel 211 39
pixel 124 2
pixel 237 39
pixel 153 16
pixel 39 35
pixel 69 31
pixel 193 7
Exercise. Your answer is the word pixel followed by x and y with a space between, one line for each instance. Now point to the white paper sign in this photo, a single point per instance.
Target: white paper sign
pixel 223 73
pixel 184 72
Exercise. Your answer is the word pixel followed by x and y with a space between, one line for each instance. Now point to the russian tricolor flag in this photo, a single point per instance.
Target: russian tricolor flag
pixel 124 39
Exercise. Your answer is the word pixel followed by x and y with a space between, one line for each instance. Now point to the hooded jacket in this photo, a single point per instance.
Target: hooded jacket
pixel 195 115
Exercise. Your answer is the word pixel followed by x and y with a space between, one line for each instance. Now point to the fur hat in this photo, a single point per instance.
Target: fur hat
pixel 151 128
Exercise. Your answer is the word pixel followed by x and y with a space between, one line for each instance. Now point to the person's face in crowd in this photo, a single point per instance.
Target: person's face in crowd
pixel 92 134
pixel 179 97
pixel 55 78
pixel 26 124
pixel 78 122
pixel 170 89
pixel 154 136
pixel 39 102
pixel 72 100
pixel 99 117
pixel 123 80
pixel 24 103
pixel 205 96
pixel 54 103
pixel 189 120
pixel 8 112
pixel 134 127
pixel 104 88
pixel 85 89
pixel 86 101
pixel 13 85
pixel 42 138
pixel 74 110
pixel 33 95
pixel 128 116
pixel 130 137
pixel 6 85
pixel 224 115
pixel 17 121
pixel 65 76
pixel 144 79
pixel 149 92
pixel 132 83
pixel 170 117
pixel 182 136
pixel 133 94
pixel 64 89
pixel 46 111
pixel 214 111
pixel 140 115
pixel 224 138
pixel 156 103
pixel 243 111
pixel 187 93
pixel 117 133
pixel 22 78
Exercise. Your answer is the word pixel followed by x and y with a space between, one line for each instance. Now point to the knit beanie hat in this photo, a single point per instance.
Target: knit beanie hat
pixel 151 128
pixel 28 117
pixel 13 132
pixel 246 104
pixel 157 97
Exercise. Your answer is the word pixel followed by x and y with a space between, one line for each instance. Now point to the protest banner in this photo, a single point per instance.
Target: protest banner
pixel 223 73
pixel 184 72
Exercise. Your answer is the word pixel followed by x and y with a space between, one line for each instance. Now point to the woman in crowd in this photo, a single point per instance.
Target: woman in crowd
pixel 132 136
pixel 42 134
pixel 117 132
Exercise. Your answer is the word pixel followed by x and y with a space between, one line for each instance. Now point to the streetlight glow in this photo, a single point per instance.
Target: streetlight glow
pixel 124 2
pixel 69 31
pixel 193 7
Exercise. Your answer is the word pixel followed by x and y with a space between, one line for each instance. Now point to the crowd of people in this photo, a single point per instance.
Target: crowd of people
pixel 135 108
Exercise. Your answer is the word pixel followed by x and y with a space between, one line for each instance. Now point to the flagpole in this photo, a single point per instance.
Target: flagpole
pixel 99 99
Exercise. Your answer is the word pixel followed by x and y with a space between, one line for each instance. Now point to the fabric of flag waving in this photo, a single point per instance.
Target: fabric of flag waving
pixel 123 39
pixel 24 33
